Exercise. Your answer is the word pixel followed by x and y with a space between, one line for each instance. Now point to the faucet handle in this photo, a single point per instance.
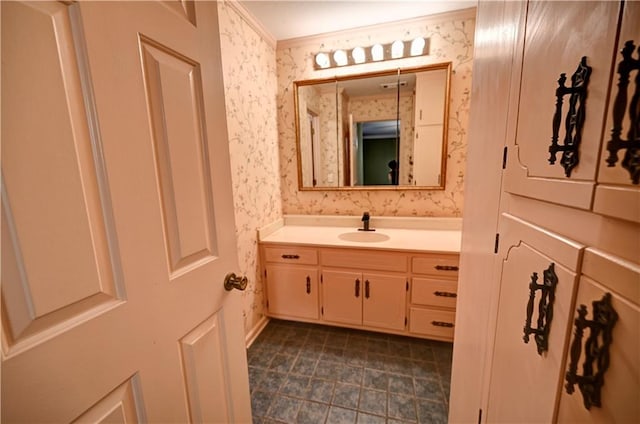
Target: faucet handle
pixel 365 216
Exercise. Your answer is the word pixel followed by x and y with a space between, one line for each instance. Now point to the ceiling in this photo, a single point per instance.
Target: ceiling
pixel 287 19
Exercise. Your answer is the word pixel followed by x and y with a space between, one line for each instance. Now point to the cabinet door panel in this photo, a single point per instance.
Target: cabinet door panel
pixel 524 383
pixel 384 302
pixel 341 299
pixel 564 31
pixel 615 194
pixel 292 291
pixel 620 399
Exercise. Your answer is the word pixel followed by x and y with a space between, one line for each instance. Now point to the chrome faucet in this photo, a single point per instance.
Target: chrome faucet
pixel 365 223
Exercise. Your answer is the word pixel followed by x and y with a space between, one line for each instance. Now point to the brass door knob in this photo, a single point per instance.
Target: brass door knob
pixel 231 281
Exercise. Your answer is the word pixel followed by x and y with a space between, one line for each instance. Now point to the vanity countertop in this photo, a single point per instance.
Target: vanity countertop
pixel 424 234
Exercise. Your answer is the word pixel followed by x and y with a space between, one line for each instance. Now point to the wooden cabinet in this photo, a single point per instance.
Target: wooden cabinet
pixel 367 299
pixel 545 348
pixel 292 291
pixel 433 296
pixel 363 288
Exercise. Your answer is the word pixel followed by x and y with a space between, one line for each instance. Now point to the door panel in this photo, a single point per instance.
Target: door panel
pixel 524 382
pixel 104 209
pixel 619 395
pixel 384 302
pixel 566 32
pixel 616 195
pixel 174 88
pixel 342 294
pixel 55 163
pixel 293 291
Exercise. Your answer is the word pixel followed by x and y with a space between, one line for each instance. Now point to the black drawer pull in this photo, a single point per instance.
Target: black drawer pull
pixel 574 119
pixel 366 289
pixel 290 256
pixel 357 287
pixel 308 284
pixel 445 294
pixel 632 142
pixel 446 268
pixel 545 308
pixel 442 324
pixel 596 350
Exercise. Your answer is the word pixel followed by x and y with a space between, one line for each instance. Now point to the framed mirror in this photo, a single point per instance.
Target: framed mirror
pixel 375 131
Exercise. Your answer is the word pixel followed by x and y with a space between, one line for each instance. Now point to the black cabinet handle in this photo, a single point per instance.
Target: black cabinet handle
pixel 596 350
pixel 545 308
pixel 308 284
pixel 366 289
pixel 574 119
pixel 446 268
pixel 442 324
pixel 290 256
pixel 630 161
pixel 357 287
pixel 444 294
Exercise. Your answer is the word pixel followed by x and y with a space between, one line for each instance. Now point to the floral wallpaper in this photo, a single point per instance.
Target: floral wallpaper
pixel 249 71
pixel 451 39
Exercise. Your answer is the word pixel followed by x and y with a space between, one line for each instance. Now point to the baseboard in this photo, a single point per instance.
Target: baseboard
pixel 255 331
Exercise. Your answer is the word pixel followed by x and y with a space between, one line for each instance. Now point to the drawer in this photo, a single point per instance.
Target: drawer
pixel 440 265
pixel 291 255
pixel 425 291
pixel 364 259
pixel 430 322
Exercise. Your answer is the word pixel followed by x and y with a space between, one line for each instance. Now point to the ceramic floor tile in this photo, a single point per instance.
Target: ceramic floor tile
pixel 346 395
pixel 339 415
pixel 373 401
pixel 312 413
pixel 370 419
pixel 306 373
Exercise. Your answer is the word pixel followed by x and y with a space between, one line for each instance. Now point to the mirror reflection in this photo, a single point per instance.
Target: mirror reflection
pixel 383 130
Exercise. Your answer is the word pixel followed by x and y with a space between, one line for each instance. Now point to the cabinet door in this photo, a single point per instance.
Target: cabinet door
pixel 292 292
pixel 342 297
pixel 384 303
pixel 557 36
pixel 620 393
pixel 524 382
pixel 616 194
pixel 431 92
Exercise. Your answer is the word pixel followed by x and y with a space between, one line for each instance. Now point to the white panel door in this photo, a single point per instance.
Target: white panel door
pixel 117 220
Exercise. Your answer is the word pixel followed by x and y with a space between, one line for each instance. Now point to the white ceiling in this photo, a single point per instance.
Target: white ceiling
pixel 286 19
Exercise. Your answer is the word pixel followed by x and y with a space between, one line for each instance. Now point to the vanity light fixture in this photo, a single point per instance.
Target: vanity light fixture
pixel 398 49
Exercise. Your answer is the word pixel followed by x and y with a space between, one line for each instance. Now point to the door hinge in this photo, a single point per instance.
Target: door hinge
pixel 495 247
pixel 407 285
pixel 479 416
pixel 322 310
pixel 267 304
pixel 504 157
pixel 405 321
pixel 321 278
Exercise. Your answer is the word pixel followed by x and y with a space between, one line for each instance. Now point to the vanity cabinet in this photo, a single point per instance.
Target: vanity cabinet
pixel 434 288
pixel 292 291
pixel 367 299
pixel 399 292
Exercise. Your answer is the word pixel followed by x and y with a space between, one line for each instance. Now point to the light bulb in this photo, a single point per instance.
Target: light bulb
pixel 377 52
pixel 358 55
pixel 417 46
pixel 322 60
pixel 397 49
pixel 340 57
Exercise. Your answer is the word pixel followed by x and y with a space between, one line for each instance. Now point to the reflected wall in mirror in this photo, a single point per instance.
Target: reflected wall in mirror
pixel 381 130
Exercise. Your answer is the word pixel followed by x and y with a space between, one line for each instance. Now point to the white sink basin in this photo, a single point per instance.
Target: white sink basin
pixel 364 236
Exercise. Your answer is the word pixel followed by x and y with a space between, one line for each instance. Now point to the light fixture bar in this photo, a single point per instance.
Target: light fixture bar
pixel 376 53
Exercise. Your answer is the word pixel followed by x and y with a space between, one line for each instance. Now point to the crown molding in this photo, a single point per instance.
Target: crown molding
pixel 246 15
pixel 469 13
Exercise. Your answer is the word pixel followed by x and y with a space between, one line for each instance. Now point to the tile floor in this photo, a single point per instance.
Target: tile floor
pixel 308 373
